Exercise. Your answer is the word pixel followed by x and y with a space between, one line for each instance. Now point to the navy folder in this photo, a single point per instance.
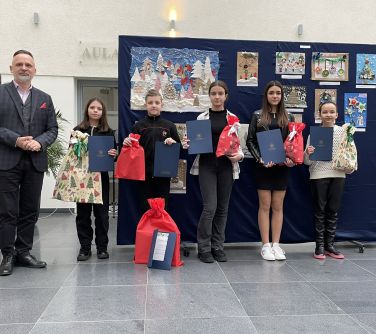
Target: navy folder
pixel 166 159
pixel 322 140
pixel 162 250
pixel 271 146
pixel 99 160
pixel 200 136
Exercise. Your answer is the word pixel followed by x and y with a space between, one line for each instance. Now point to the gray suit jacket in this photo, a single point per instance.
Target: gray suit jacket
pixel 43 126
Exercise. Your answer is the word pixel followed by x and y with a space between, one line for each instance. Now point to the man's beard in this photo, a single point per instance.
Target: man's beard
pixel 24 78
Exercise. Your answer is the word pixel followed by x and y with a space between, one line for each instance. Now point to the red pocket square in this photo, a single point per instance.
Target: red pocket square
pixel 43 105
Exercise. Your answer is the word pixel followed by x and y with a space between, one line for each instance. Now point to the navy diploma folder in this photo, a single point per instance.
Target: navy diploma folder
pixel 271 146
pixel 200 136
pixel 99 160
pixel 162 250
pixel 166 159
pixel 322 140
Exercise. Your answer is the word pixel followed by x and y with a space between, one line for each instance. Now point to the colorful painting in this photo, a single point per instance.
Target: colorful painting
pixel 295 96
pixel 365 69
pixel 182 76
pixel 247 69
pixel 356 109
pixel 178 185
pixel 289 63
pixel 182 130
pixel 321 96
pixel 330 66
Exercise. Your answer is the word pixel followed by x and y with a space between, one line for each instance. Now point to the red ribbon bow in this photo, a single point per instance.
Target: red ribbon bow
pixel 43 105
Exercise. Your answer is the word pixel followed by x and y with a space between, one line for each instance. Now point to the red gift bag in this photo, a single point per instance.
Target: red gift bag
pixel 131 161
pixel 294 144
pixel 229 141
pixel 155 218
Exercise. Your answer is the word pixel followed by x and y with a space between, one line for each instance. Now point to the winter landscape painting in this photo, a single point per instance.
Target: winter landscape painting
pixel 182 76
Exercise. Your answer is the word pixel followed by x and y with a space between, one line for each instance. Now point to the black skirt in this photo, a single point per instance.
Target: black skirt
pixel 273 178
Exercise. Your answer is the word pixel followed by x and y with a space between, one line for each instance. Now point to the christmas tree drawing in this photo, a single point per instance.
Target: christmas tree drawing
pixel 367 73
pixel 169 91
pixel 90 183
pixel 72 182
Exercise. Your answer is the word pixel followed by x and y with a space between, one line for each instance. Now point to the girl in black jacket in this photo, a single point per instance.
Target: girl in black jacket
pixel 95 124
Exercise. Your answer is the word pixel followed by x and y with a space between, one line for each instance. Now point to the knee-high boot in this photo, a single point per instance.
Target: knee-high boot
pixel 330 233
pixel 319 232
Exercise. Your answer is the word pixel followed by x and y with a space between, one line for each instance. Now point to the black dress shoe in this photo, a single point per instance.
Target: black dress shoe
pixel 206 257
pixel 219 255
pixel 83 255
pixel 6 266
pixel 102 255
pixel 29 261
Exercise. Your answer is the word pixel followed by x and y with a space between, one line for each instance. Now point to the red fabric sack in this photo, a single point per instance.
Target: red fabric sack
pixel 155 218
pixel 294 144
pixel 131 161
pixel 229 141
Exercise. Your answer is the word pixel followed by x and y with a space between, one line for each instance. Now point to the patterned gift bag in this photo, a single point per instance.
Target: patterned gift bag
pixel 74 182
pixel 346 157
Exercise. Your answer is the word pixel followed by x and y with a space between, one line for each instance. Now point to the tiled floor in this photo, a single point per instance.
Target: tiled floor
pixel 244 295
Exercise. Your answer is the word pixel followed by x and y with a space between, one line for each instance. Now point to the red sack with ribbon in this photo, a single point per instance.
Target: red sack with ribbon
pixel 131 161
pixel 294 144
pixel 155 218
pixel 229 141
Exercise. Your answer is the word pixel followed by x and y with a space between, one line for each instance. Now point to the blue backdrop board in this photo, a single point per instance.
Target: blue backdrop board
pixel 357 219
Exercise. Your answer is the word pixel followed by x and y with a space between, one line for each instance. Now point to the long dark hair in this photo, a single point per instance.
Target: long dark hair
pixel 265 118
pixel 103 123
pixel 219 83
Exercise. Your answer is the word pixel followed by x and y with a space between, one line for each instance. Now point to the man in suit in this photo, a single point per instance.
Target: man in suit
pixel 27 127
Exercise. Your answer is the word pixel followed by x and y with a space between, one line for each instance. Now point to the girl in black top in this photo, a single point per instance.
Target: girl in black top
pixel 271 179
pixel 95 124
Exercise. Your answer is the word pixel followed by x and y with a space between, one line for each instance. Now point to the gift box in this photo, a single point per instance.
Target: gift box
pixel 294 143
pixel 131 161
pixel 155 218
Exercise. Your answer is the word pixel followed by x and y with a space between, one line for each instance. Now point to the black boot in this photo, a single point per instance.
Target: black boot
pixel 6 266
pixel 330 233
pixel 319 236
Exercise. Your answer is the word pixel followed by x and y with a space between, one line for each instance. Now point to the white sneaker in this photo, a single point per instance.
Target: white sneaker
pixel 279 253
pixel 267 253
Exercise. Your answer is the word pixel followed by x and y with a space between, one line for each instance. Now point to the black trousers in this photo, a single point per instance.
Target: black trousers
pixel 153 187
pixel 216 182
pixel 83 219
pixel 20 191
pixel 327 197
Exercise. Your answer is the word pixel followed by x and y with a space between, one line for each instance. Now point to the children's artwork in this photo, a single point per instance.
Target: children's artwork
pixel 178 184
pixel 365 69
pixel 243 134
pixel 298 118
pixel 321 96
pixel 330 66
pixel 247 69
pixel 356 109
pixel 182 76
pixel 289 63
pixel 295 96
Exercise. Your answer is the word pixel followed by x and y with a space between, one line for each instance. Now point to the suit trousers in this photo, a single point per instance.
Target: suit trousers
pixel 20 191
pixel 101 221
pixel 216 182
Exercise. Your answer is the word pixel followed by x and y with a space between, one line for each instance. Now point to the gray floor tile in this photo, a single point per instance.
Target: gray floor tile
pixel 259 271
pixel 243 253
pixel 57 256
pixel 330 270
pixel 369 265
pixel 368 321
pixel 352 252
pixel 192 301
pixel 16 329
pixel 283 299
pixel 238 325
pixel 58 241
pixel 23 305
pixel 352 297
pixel 311 324
pixel 96 303
pixel 97 274
pixel 191 272
pixel 49 277
pixel 104 327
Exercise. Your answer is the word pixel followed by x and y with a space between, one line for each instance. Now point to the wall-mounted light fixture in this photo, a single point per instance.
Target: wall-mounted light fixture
pixel 172 23
pixel 36 18
pixel 300 29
